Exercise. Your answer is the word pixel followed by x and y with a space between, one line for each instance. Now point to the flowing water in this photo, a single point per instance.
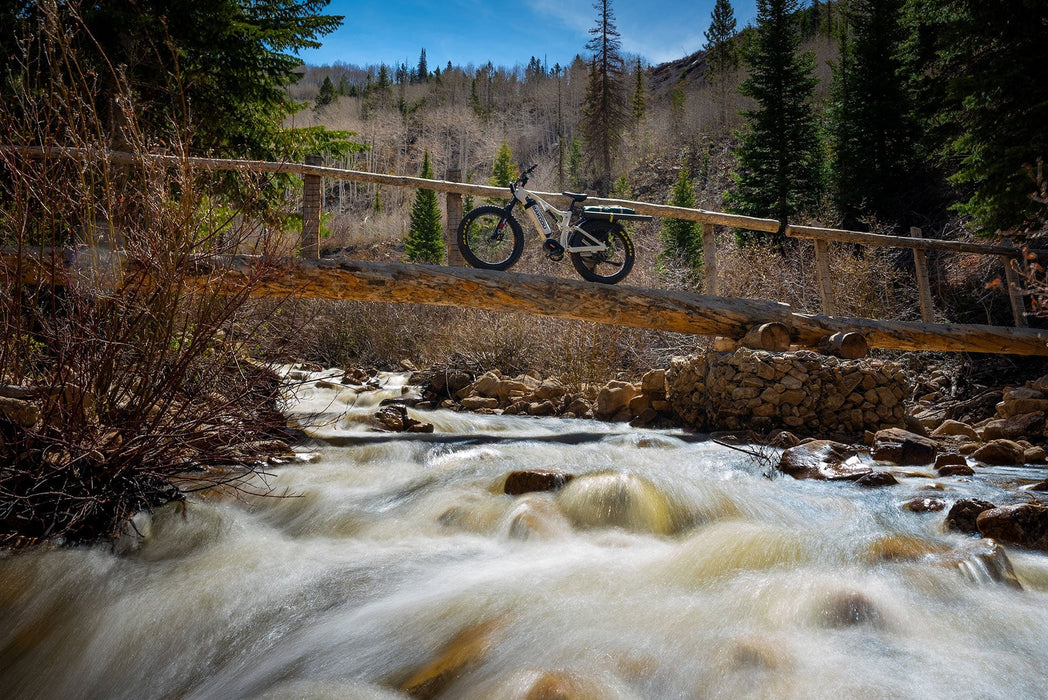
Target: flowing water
pixel 668 568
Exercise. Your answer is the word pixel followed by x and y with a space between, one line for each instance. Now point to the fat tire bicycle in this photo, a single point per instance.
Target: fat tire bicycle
pixel 601 250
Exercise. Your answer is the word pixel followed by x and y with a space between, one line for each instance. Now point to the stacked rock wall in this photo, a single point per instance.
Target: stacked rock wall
pixel 798 391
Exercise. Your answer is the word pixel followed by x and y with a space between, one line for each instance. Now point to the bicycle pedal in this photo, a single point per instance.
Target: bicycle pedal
pixel 553 248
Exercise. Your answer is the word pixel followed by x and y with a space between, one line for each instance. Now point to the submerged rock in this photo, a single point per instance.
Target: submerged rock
pixel 987 562
pixel 617 500
pixel 466 650
pixel 850 609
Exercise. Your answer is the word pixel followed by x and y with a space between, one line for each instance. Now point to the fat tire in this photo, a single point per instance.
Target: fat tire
pixel 589 265
pixel 485 218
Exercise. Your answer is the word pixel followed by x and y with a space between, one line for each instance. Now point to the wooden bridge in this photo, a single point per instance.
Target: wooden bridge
pixel 754 323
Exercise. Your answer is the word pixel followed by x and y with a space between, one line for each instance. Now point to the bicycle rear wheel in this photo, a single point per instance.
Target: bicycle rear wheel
pixel 607 266
pixel 490 239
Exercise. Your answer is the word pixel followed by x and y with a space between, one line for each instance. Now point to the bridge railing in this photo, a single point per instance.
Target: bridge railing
pixel 313 173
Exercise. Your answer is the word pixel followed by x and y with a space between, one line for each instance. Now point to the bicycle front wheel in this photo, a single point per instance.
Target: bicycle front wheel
pixel 607 266
pixel 490 239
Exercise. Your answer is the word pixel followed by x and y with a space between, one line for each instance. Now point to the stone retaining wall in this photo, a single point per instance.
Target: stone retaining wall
pixel 798 391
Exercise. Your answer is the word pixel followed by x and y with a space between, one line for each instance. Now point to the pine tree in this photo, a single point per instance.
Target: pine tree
pixel 869 114
pixel 422 72
pixel 383 83
pixel 681 239
pixel 504 170
pixel 638 105
pixel 779 158
pixel 978 72
pixel 327 95
pixel 722 54
pixel 605 113
pixel 218 69
pixel 425 241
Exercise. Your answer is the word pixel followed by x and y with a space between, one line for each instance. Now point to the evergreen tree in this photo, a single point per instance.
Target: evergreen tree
pixel 383 83
pixel 474 99
pixel 638 105
pixel 978 72
pixel 219 68
pixel 606 110
pixel 780 155
pixel 504 170
pixel 681 239
pixel 869 114
pixel 327 95
pixel 722 54
pixel 422 72
pixel 425 241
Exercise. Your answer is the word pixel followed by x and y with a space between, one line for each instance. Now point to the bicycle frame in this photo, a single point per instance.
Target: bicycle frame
pixel 544 228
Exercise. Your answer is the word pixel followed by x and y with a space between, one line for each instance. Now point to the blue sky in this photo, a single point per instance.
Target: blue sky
pixel 510 32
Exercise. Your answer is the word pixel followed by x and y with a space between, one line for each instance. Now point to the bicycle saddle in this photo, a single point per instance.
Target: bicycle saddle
pixel 577 196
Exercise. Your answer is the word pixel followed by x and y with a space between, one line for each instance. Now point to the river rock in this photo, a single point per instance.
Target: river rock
pixel 876 479
pixel 1022 524
pixel 1000 452
pixel 613 399
pixel 925 505
pixel 487 385
pixel 549 390
pixel 1016 406
pixel 953 428
pixel 475 403
pixel 1015 427
pixel 900 548
pixel 987 562
pixel 900 446
pixel 1035 455
pixel 449 382
pixel 824 460
pixel 955 470
pixel 530 480
pixel 964 514
pixel 466 650
pixel 947 459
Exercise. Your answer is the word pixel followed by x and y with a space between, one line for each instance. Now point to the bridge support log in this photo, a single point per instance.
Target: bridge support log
pixel 768 336
pixel 847 346
pixel 679 312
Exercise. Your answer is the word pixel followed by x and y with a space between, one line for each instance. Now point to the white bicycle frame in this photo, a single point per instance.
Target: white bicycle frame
pixel 531 202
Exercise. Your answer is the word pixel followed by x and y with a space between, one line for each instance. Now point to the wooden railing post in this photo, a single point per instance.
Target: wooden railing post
pixel 924 286
pixel 822 267
pixel 709 259
pixel 1014 288
pixel 455 258
pixel 311 185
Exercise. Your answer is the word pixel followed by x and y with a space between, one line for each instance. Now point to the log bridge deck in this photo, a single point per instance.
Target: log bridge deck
pixel 753 323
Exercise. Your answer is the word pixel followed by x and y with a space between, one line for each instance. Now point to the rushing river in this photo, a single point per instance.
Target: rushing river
pixel 669 568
